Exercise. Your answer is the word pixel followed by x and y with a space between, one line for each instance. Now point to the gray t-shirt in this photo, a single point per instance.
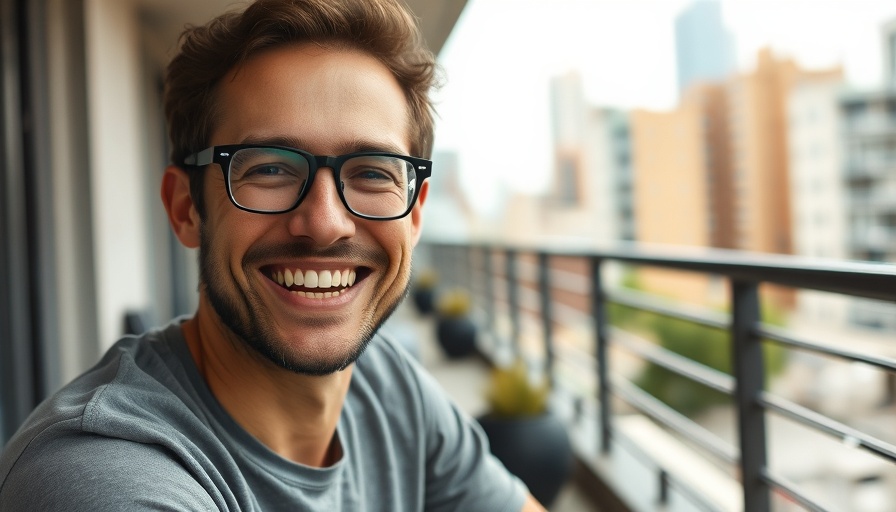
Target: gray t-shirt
pixel 142 431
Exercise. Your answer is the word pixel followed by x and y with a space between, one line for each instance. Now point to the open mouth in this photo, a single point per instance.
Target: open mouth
pixel 315 284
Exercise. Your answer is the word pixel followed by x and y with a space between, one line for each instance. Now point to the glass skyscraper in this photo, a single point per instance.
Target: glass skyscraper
pixel 704 49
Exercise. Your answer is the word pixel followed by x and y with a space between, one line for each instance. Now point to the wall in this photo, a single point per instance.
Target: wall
pixel 120 223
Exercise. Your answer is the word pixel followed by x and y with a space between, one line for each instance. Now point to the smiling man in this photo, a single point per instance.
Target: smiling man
pixel 300 132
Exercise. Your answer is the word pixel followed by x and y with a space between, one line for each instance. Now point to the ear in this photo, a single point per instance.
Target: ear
pixel 178 203
pixel 416 214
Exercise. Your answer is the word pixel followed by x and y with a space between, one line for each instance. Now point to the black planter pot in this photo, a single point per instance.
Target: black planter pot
pixel 536 449
pixel 424 300
pixel 456 335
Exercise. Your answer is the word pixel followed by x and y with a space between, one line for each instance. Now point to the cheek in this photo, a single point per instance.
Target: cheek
pixel 232 233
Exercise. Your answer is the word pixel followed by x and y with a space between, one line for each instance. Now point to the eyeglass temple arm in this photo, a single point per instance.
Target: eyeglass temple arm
pixel 204 157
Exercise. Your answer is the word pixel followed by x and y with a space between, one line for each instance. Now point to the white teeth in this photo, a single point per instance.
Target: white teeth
pixel 327 295
pixel 318 295
pixel 315 279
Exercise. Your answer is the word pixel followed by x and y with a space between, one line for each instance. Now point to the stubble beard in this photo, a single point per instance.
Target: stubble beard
pixel 235 311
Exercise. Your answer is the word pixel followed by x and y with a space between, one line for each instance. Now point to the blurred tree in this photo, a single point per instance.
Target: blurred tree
pixel 705 345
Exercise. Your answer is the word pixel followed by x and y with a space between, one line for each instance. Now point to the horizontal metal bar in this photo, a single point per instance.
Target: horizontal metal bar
pixel 789 490
pixel 570 316
pixel 780 336
pixel 571 282
pixel 671 361
pixel 674 420
pixel 863 279
pixel 529 300
pixel 659 306
pixel 828 425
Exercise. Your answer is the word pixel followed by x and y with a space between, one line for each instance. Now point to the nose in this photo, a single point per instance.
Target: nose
pixel 321 216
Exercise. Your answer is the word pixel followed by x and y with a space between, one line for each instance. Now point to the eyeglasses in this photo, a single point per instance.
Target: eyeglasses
pixel 275 179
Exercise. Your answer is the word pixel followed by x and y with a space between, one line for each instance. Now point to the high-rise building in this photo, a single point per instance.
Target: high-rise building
pixel 672 193
pixel 714 172
pixel 616 131
pixel 758 130
pixel 448 209
pixel 590 192
pixel 869 134
pixel 704 49
pixel 817 193
pixel 569 113
pixel 888 31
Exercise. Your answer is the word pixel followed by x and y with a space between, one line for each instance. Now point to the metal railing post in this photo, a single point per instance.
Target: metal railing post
pixel 468 267
pixel 663 497
pixel 601 340
pixel 544 289
pixel 457 265
pixel 513 299
pixel 489 281
pixel 749 373
pixel 435 257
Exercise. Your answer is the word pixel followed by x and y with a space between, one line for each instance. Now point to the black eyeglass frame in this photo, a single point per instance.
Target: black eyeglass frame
pixel 222 156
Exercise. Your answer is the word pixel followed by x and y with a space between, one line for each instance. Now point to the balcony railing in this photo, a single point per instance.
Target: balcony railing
pixel 520 289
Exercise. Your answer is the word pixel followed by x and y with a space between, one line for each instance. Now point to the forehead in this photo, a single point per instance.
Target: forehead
pixel 328 99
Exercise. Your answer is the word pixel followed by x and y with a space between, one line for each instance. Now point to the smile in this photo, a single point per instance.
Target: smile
pixel 313 284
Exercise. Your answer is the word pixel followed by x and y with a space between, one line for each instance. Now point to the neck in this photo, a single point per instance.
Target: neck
pixel 293 415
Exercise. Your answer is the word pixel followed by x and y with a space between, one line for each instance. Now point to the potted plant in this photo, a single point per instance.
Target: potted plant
pixel 455 331
pixel 424 291
pixel 524 435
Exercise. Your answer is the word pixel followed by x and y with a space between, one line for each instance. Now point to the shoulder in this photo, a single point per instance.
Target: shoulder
pixel 63 469
pixel 137 380
pixel 127 410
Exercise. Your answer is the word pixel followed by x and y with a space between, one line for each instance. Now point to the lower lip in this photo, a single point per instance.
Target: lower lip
pixel 345 296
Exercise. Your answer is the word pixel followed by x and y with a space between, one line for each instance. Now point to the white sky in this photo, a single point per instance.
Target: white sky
pixel 501 55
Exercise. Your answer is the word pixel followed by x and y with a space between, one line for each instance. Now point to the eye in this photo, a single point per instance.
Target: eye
pixel 267 170
pixel 373 175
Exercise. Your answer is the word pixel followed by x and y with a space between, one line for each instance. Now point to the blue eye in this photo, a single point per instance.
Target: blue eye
pixel 266 170
pixel 373 174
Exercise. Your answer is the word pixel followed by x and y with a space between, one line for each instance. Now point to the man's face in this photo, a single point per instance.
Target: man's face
pixel 328 103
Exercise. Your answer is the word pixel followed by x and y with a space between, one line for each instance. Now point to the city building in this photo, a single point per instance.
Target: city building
pixel 447 206
pixel 590 190
pixel 870 173
pixel 714 172
pixel 817 188
pixel 759 151
pixel 704 49
pixel 671 193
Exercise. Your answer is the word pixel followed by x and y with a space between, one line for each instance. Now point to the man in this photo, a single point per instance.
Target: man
pixel 278 394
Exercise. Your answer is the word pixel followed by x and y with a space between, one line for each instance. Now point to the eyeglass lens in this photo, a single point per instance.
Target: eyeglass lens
pixel 271 180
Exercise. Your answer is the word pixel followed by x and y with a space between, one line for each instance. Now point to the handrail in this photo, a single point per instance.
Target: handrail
pixel 745 272
pixel 827 425
pixel 858 278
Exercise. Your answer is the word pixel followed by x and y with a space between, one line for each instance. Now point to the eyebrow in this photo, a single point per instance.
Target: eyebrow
pixel 353 146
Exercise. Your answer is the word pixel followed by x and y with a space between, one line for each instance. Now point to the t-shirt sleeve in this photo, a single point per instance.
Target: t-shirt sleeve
pixel 461 472
pixel 92 473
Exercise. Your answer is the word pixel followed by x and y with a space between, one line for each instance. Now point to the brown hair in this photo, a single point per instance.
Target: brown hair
pixel 382 28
